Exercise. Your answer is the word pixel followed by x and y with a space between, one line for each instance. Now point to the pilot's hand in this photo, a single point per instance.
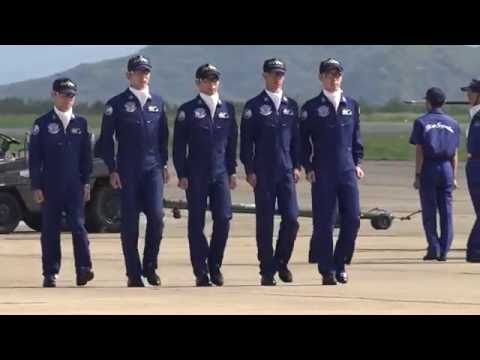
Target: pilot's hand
pixel 183 183
pixel 311 177
pixel 115 180
pixel 166 175
pixel 38 196
pixel 233 182
pixel 252 180
pixel 86 193
pixel 360 172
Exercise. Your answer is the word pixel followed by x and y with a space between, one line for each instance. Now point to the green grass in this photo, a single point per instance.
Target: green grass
pixel 394 147
pixel 404 117
pixel 379 146
pixel 25 121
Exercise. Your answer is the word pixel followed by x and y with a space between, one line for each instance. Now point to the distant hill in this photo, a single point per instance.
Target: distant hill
pixel 375 74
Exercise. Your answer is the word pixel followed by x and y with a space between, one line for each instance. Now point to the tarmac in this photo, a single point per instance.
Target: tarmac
pixel 387 275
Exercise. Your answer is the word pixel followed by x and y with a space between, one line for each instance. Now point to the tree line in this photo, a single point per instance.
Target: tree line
pixel 15 106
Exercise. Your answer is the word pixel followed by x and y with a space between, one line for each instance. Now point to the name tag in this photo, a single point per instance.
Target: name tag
pixel 76 131
pixel 153 108
pixel 346 112
pixel 223 115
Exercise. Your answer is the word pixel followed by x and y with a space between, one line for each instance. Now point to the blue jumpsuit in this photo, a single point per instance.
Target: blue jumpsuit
pixel 142 136
pixel 60 162
pixel 204 152
pixel 332 148
pixel 473 180
pixel 439 136
pixel 270 149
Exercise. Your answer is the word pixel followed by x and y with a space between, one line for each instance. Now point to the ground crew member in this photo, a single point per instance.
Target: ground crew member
pixel 437 137
pixel 330 131
pixel 270 153
pixel 138 120
pixel 60 162
pixel 204 155
pixel 473 167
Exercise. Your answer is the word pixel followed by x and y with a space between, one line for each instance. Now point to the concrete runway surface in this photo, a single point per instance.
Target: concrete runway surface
pixel 387 275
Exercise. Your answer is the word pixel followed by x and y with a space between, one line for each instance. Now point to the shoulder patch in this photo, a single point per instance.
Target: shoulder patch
pixel 181 115
pixel 36 130
pixel 108 110
pixel 247 114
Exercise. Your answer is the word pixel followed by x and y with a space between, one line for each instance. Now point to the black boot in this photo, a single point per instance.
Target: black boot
pixel 83 277
pixel 49 281
pixel 203 281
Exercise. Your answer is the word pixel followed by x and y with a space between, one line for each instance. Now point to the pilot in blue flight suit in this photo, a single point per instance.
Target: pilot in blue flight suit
pixel 138 121
pixel 332 150
pixel 473 167
pixel 437 137
pixel 270 150
pixel 60 162
pixel 204 155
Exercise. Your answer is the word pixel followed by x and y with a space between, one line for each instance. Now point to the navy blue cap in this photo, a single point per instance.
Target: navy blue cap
pixel 274 65
pixel 139 62
pixel 207 71
pixel 474 86
pixel 65 86
pixel 330 64
pixel 435 96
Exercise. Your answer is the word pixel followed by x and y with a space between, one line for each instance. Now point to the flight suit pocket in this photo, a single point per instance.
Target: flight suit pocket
pixel 222 127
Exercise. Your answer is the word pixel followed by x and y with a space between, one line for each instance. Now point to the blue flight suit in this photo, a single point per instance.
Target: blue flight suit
pixel 334 140
pixel 60 163
pixel 473 180
pixel 270 149
pixel 142 136
pixel 439 136
pixel 204 152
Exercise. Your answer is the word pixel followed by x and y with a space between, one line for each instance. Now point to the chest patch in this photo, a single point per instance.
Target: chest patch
pixel 200 113
pixel 53 129
pixel 265 110
pixel 130 106
pixel 323 111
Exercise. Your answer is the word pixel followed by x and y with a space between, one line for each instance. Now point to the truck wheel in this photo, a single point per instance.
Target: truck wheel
pixel 103 211
pixel 33 220
pixel 381 222
pixel 10 213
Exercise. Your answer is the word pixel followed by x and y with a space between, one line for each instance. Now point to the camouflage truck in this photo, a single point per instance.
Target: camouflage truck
pixel 102 212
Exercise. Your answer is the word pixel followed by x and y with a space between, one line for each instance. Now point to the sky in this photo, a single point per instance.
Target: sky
pixel 25 62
